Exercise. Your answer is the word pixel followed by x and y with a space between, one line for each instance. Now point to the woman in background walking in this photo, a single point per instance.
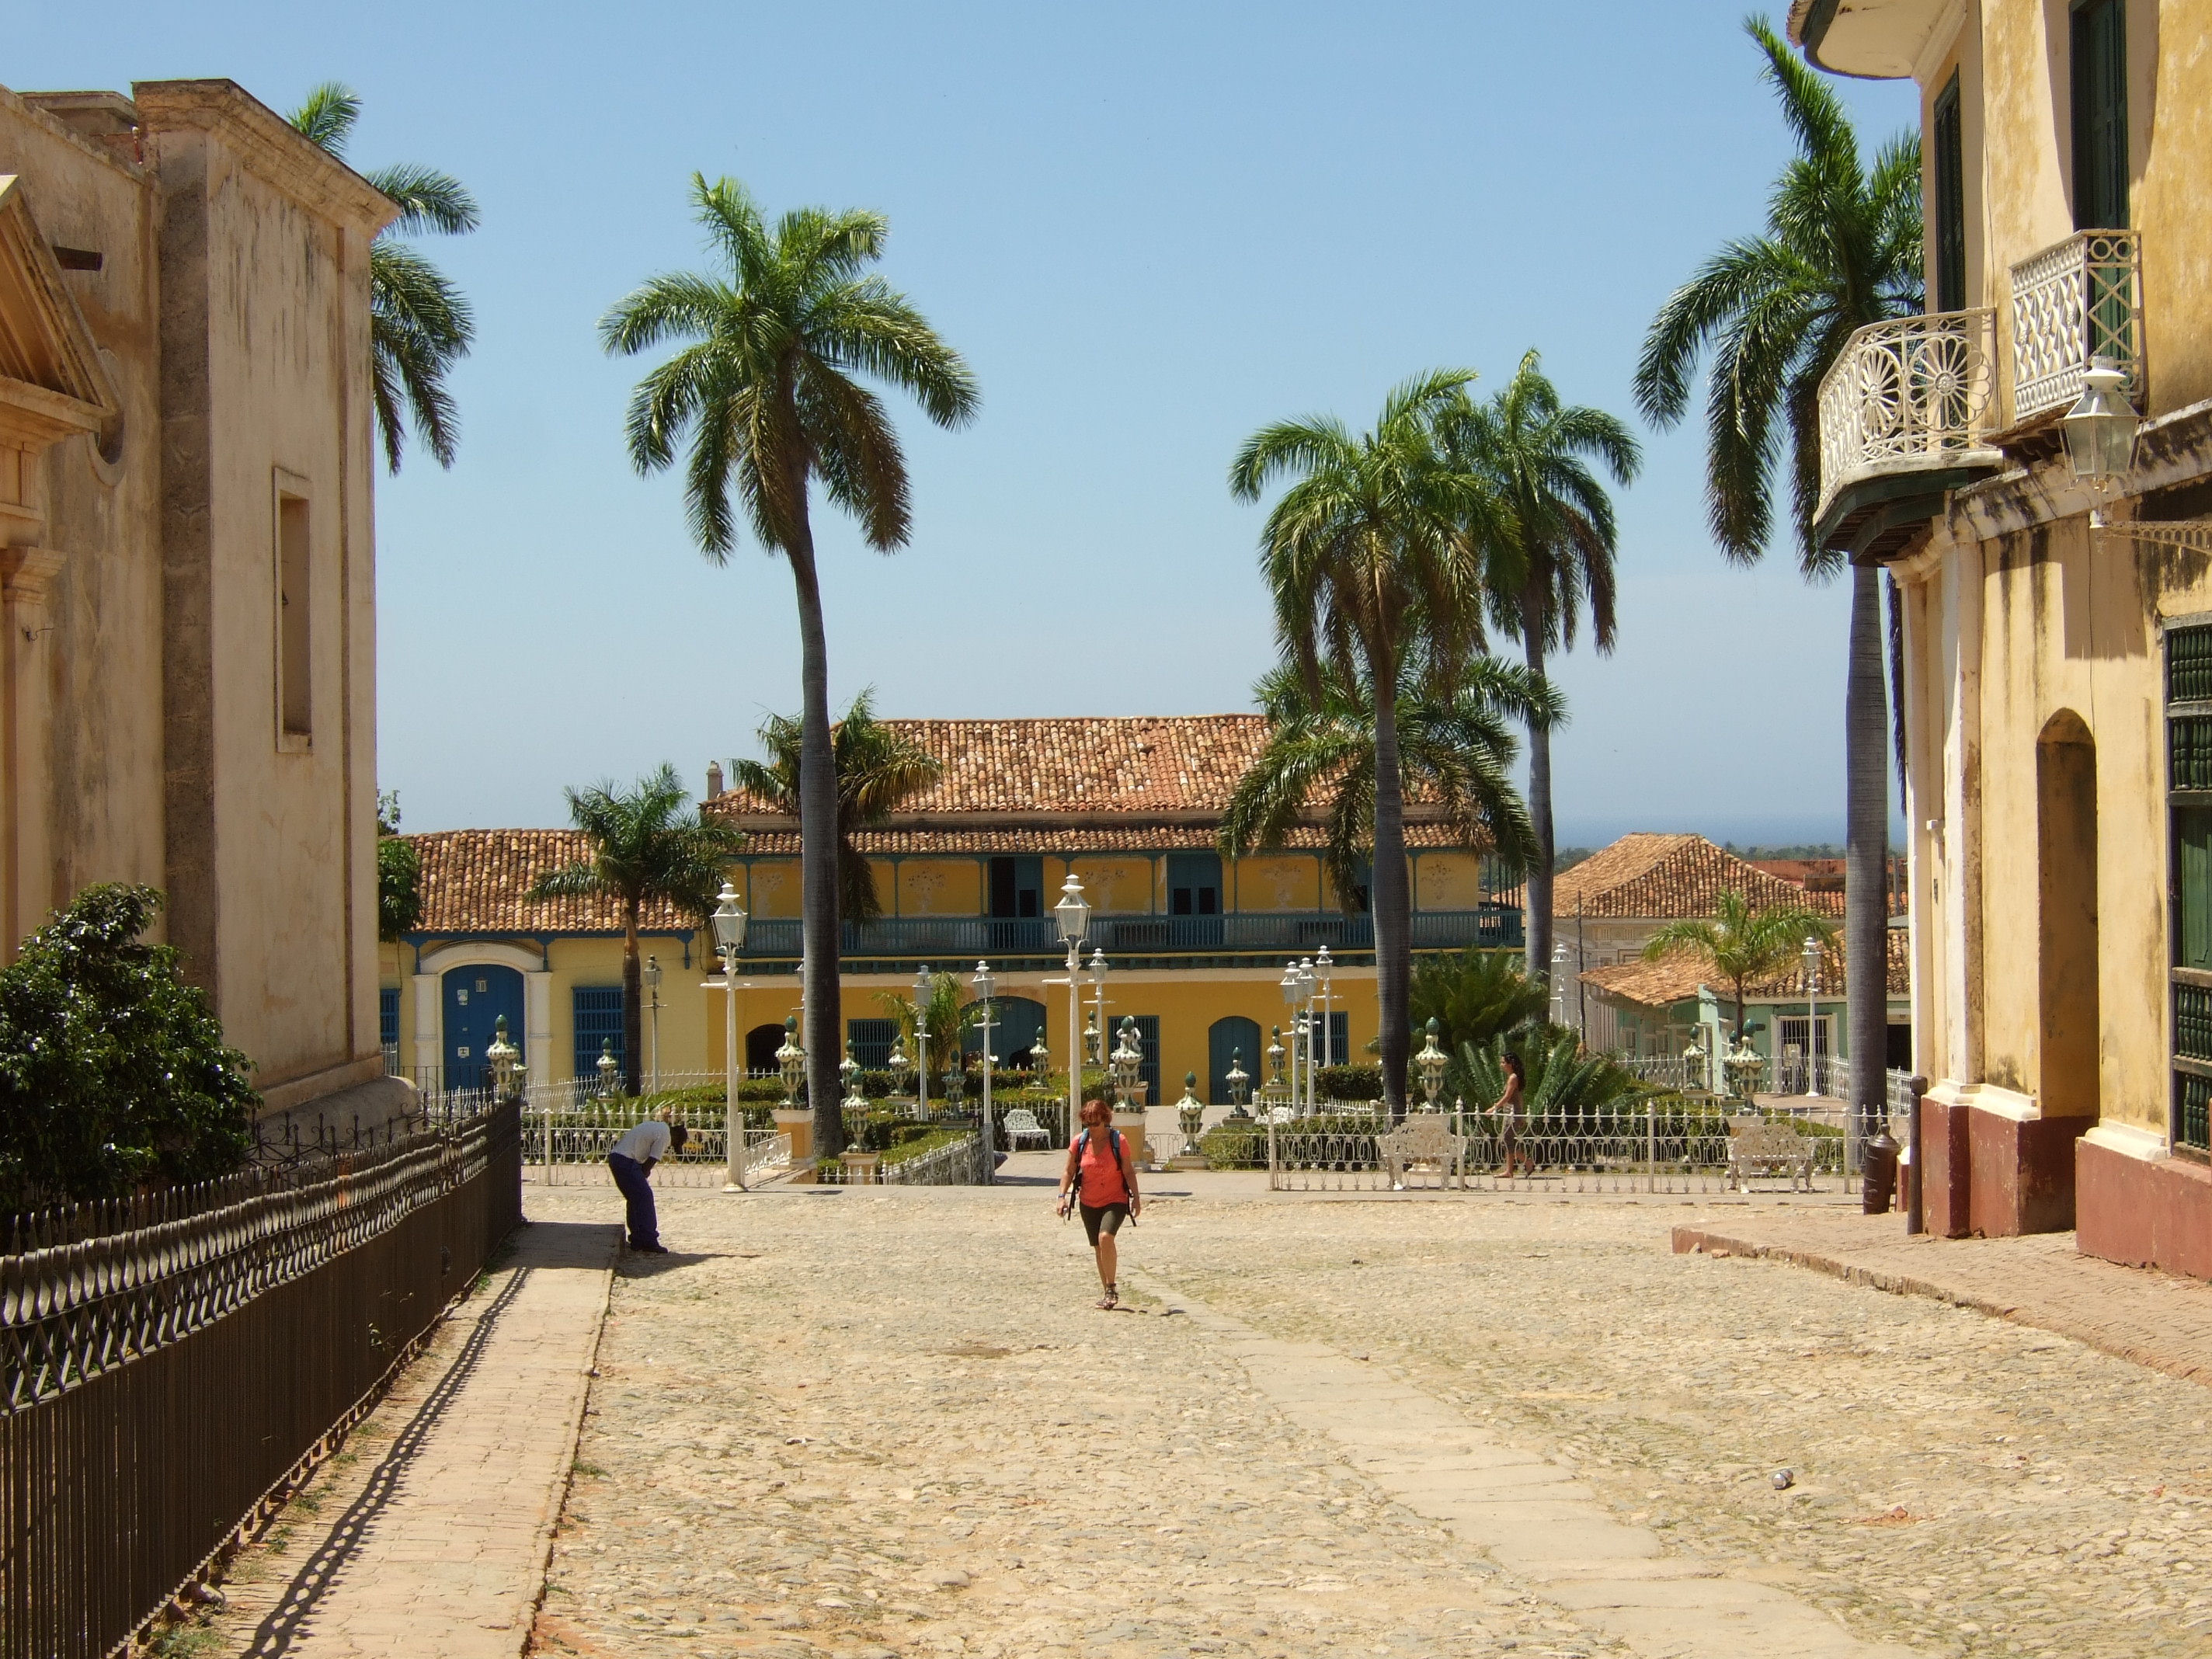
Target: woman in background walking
pixel 1509 1110
pixel 1101 1182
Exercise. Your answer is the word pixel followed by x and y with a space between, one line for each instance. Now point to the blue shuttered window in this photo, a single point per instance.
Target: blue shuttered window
pixel 387 1015
pixel 598 1010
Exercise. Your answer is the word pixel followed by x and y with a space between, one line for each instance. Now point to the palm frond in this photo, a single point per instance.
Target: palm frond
pixel 328 117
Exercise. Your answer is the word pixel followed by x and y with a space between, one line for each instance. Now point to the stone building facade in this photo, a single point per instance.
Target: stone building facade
pixel 186 534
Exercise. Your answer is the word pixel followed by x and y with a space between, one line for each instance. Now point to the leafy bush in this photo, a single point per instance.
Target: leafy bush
pixel 1351 1082
pixel 398 887
pixel 1473 995
pixel 113 1073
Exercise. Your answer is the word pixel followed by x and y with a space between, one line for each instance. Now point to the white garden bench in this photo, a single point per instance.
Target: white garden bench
pixel 1763 1152
pixel 1425 1139
pixel 1021 1124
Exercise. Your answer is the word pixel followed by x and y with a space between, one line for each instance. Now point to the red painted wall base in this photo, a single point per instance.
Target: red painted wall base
pixel 2144 1215
pixel 1991 1177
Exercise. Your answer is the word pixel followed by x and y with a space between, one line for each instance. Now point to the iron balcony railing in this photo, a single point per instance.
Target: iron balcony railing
pixel 1491 926
pixel 2080 300
pixel 1910 395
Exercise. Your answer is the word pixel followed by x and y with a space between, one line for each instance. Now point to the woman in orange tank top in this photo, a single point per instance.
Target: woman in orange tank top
pixel 1101 1180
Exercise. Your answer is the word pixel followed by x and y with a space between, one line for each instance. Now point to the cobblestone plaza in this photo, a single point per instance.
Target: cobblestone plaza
pixel 890 1422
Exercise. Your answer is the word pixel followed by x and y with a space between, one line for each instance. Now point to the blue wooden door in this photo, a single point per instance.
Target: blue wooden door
pixel 475 999
pixel 1240 1037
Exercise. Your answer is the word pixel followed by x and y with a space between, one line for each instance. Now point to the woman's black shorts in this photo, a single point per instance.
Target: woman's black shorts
pixel 1104 1218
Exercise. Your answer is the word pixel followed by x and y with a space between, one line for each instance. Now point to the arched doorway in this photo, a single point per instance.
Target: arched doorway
pixel 1237 1039
pixel 2066 856
pixel 474 998
pixel 761 1044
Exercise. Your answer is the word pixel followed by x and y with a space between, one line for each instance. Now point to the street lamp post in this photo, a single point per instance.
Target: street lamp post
pixel 923 985
pixel 1326 968
pixel 729 920
pixel 1289 983
pixel 985 987
pixel 1559 982
pixel 1308 985
pixel 1812 960
pixel 1072 915
pixel 1100 1034
pixel 652 977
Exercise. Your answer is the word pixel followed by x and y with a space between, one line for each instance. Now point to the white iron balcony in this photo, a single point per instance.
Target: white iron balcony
pixel 1905 413
pixel 2080 300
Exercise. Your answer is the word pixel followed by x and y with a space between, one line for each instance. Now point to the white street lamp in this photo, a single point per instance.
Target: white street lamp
pixel 1325 969
pixel 1811 956
pixel 651 975
pixel 729 920
pixel 924 984
pixel 1098 1035
pixel 986 987
pixel 1291 989
pixel 1072 916
pixel 1309 985
pixel 2100 429
pixel 1559 981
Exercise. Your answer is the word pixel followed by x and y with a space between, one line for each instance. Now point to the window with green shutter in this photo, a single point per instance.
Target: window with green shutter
pixel 1950 200
pixel 2189 808
pixel 2100 114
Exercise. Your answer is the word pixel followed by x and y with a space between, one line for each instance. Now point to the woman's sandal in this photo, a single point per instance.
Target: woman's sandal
pixel 1108 1301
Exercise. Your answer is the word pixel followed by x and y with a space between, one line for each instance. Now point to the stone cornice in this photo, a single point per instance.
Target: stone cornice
pixel 956 823
pixel 27 571
pixel 269 145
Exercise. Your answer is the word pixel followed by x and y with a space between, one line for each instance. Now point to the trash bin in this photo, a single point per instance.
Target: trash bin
pixel 1878 1178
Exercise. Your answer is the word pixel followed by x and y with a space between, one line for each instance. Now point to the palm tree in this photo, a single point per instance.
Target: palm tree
pixel 419 324
pixel 1743 944
pixel 764 389
pixel 1370 560
pixel 877 772
pixel 1842 250
pixel 1537 454
pixel 644 846
pixel 1565 1080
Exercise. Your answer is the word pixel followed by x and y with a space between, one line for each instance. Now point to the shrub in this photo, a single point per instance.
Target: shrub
pixel 113 1073
pixel 1351 1082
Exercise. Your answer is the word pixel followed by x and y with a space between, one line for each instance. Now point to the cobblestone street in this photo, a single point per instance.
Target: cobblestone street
pixel 890 1422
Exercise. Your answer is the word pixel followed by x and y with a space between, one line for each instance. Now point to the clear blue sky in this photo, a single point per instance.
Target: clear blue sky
pixel 1150 228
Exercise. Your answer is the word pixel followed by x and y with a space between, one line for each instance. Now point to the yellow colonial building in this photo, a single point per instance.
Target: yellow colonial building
pixel 2057 610
pixel 1194 945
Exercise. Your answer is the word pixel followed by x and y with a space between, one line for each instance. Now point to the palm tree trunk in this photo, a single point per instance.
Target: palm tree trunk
pixel 817 852
pixel 633 998
pixel 1538 886
pixel 1866 848
pixel 1389 898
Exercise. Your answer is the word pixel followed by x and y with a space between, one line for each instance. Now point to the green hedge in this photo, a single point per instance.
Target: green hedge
pixel 1351 1082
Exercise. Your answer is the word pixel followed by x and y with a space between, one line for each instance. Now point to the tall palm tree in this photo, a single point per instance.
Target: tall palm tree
pixel 877 772
pixel 419 324
pixel 1743 944
pixel 1538 452
pixel 763 390
pixel 1369 558
pixel 646 846
pixel 1841 250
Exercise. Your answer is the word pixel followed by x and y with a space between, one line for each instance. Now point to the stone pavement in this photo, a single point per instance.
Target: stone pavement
pixel 428 1535
pixel 2151 1318
pixel 879 1422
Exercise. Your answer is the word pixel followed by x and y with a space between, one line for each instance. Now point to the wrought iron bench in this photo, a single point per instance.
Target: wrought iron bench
pixel 1021 1124
pixel 1763 1151
pixel 1423 1137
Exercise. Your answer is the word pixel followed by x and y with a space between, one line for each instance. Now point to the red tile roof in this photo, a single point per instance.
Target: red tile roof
pixel 473 882
pixel 1139 784
pixel 1676 978
pixel 1664 878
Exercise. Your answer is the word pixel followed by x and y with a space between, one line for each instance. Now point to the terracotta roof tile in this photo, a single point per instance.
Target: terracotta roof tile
pixel 1676 978
pixel 473 882
pixel 1645 875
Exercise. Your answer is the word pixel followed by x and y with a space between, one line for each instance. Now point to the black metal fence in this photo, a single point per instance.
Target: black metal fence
pixel 162 1384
